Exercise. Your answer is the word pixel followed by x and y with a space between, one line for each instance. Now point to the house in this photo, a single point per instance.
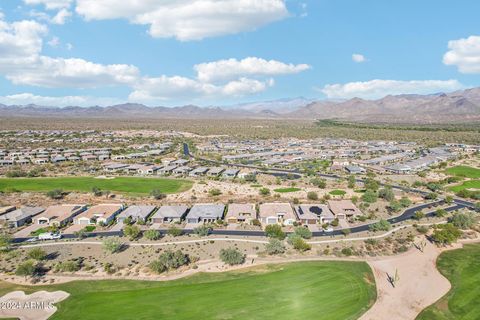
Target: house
pixel 136 212
pixel 114 167
pixel 166 170
pixel 343 209
pixel 276 213
pixel 355 169
pixel 314 213
pixel 169 214
pixel 182 170
pixel 19 217
pixel 6 209
pixel 200 171
pixel 180 162
pixel 101 213
pixel 215 171
pixel 241 213
pixel 230 173
pixel 205 213
pixel 59 215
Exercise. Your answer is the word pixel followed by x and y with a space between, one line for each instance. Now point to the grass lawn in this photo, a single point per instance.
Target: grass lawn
pixel 302 290
pixel 470 184
pixel 337 192
pixel 461 267
pixel 464 171
pixel 85 184
pixel 286 190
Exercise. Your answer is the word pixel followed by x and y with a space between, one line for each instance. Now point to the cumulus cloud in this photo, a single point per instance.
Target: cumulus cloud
pixel 64 101
pixel 464 54
pixel 150 90
pixel 22 63
pixel 188 19
pixel 358 58
pixel 50 4
pixel 233 68
pixel 61 17
pixel 375 89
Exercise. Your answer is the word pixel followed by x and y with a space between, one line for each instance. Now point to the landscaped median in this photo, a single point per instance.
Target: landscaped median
pixel 301 290
pixel 132 185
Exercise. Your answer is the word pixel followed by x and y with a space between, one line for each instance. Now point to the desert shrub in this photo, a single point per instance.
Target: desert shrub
pixel 303 232
pixel 274 246
pixel 369 196
pixel 26 269
pixel 347 252
pixel 68 266
pixel 37 254
pixel 463 220
pixel 312 195
pixel 202 230
pixel 232 256
pixel 297 242
pixel 215 192
pixel 382 225
pixel 157 194
pixel 152 234
pixel 440 213
pixel 112 245
pixel 55 194
pixel 386 194
pixel 174 231
pixel 446 234
pixel 264 191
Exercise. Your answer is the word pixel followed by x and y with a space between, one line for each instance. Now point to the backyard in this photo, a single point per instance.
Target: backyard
pixel 302 290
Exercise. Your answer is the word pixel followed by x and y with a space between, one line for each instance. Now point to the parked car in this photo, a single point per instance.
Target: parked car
pixel 49 236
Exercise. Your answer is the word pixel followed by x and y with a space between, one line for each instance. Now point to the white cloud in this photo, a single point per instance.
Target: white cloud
pixel 375 89
pixel 188 19
pixel 50 4
pixel 464 54
pixel 359 58
pixel 69 46
pixel 54 42
pixel 22 63
pixel 251 66
pixel 61 16
pixel 151 90
pixel 64 101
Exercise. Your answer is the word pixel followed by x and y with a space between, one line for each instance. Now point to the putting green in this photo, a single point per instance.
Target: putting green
pixel 302 290
pixel 133 185
pixel 461 267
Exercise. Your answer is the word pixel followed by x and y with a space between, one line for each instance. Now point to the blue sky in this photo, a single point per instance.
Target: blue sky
pixel 219 52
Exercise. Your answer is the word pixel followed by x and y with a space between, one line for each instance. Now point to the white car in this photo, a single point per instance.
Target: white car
pixel 328 230
pixel 49 236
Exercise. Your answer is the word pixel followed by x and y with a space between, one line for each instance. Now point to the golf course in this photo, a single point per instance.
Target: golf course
pixel 461 267
pixel 464 171
pixel 301 290
pixel 133 185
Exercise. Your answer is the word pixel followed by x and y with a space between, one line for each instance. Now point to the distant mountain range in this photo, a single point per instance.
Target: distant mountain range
pixel 458 106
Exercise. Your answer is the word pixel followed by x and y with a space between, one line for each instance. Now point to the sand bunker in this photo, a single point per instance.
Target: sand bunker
pixel 36 306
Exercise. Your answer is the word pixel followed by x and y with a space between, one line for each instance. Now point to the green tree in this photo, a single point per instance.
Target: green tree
pixel 405 202
pixel 446 234
pixel 232 256
pixel 297 242
pixel 275 231
pixel 440 213
pixel 351 181
pixel 419 215
pixel 386 194
pixel 26 269
pixel 132 231
pixel 174 231
pixel 5 240
pixel 369 196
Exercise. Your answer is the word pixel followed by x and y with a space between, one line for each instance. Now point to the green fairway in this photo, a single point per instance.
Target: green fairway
pixel 303 290
pixel 85 184
pixel 470 184
pixel 461 267
pixel 286 190
pixel 464 171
